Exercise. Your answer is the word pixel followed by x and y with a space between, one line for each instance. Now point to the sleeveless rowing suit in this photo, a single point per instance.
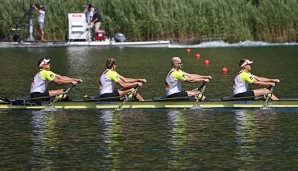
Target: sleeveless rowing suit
pixel 173 83
pixel 240 85
pixel 107 83
pixel 40 82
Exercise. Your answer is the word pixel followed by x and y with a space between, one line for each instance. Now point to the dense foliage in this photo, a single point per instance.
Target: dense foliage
pixel 176 20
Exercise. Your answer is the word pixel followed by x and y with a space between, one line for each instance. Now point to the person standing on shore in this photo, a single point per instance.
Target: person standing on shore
pixel 96 21
pixel 41 18
pixel 89 13
pixel 108 79
pixel 176 76
pixel 244 77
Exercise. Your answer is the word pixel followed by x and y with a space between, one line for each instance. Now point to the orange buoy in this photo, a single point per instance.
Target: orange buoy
pixel 206 62
pixel 198 56
pixel 224 70
pixel 188 50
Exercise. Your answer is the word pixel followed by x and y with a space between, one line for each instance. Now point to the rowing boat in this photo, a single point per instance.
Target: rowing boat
pixel 150 104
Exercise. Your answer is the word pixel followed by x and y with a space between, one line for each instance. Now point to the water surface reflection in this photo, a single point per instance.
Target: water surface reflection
pixel 149 139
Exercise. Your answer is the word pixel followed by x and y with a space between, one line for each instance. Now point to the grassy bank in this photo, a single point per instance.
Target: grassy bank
pixel 179 21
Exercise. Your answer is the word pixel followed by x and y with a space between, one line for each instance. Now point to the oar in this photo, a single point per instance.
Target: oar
pixel 269 95
pixel 126 98
pixel 60 96
pixel 268 98
pixel 201 90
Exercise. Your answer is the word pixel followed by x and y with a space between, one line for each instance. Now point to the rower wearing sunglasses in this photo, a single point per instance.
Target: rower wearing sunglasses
pixel 176 76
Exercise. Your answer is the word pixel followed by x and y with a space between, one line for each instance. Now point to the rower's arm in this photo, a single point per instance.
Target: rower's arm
pixel 263 83
pixel 128 85
pixel 61 80
pixel 266 79
pixel 200 76
pixel 194 78
pixel 132 80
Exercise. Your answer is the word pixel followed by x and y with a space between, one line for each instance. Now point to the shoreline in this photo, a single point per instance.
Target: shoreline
pixel 156 44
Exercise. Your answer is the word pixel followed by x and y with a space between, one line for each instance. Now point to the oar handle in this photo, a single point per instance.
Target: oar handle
pixel 69 88
pixel 269 95
pixel 136 89
pixel 72 86
pixel 202 86
pixel 134 92
pixel 270 87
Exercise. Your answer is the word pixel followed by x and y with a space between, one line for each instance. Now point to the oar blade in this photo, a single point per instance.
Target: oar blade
pixel 128 97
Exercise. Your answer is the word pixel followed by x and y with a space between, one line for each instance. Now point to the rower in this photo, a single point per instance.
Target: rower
pixel 42 79
pixel 244 77
pixel 176 75
pixel 108 79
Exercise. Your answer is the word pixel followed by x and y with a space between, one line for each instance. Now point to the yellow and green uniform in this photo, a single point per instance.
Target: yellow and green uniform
pixel 173 81
pixel 41 80
pixel 241 82
pixel 107 81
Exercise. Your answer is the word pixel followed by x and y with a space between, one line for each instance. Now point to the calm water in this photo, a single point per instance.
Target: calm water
pixel 18 67
pixel 149 139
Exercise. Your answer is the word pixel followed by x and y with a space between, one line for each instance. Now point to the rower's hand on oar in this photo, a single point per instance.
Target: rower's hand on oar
pixel 139 84
pixel 77 81
pixel 276 80
pixel 143 80
pixel 272 84
pixel 206 80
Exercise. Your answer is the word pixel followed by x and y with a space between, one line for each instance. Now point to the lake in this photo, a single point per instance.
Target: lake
pixel 213 139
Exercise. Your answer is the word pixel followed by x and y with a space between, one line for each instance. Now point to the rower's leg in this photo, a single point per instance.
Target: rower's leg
pixel 204 98
pixel 54 93
pixel 123 92
pixel 129 91
pixel 194 93
pixel 263 91
pixel 139 97
pixel 260 92
pixel 273 97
